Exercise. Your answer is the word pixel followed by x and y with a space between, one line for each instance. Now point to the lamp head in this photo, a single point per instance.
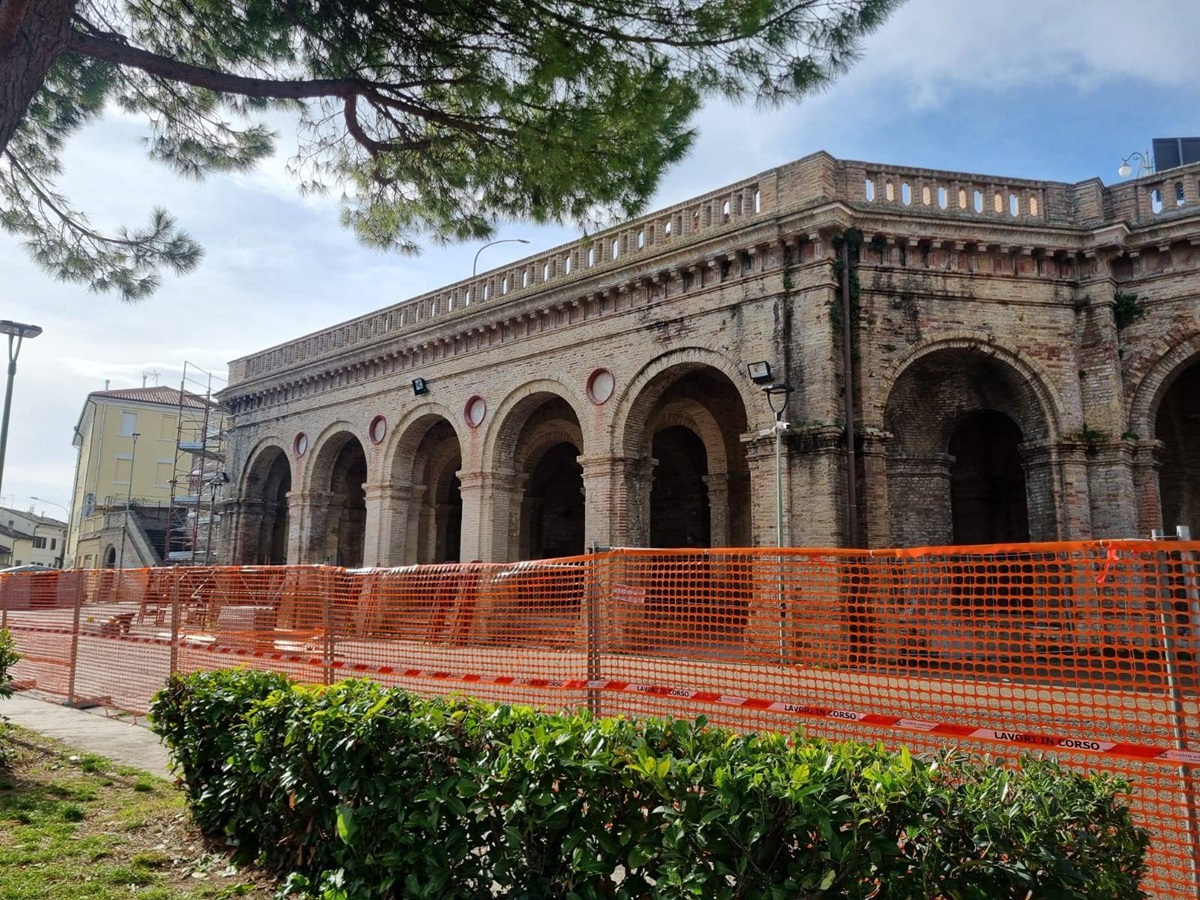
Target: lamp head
pixel 19 329
pixel 760 372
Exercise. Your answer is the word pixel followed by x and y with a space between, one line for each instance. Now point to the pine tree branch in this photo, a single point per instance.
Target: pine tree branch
pixel 122 54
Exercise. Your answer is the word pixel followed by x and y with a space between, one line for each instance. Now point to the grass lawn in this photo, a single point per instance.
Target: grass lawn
pixel 74 825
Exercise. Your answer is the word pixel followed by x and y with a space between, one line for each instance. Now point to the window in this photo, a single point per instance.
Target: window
pixel 39 543
pixel 53 543
pixel 128 423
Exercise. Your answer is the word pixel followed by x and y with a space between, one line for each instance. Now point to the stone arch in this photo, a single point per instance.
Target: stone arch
pixel 532 456
pixel 942 389
pixel 1169 364
pixel 690 405
pixel 514 410
pixel 1058 416
pixel 262 531
pixel 1167 407
pixel 336 497
pixel 642 392
pixel 407 434
pixel 424 462
pixel 109 558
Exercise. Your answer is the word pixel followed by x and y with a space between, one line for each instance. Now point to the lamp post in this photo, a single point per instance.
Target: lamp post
pixel 51 503
pixel 128 499
pixel 218 479
pixel 1145 164
pixel 777 399
pixel 475 264
pixel 18 331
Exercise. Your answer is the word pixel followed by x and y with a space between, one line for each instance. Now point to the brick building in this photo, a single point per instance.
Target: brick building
pixel 1025 365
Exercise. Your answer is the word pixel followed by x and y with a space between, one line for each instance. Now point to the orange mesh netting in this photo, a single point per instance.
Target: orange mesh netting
pixel 1086 650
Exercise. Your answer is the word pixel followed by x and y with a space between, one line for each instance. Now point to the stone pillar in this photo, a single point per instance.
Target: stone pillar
pixel 719 529
pixel 387 509
pixel 491 510
pixel 411 516
pixel 629 505
pixel 1111 490
pixel 760 458
pixel 1146 463
pixel 241 525
pixel 599 488
pixel 312 534
pixel 919 500
pixel 1056 491
pixel 875 528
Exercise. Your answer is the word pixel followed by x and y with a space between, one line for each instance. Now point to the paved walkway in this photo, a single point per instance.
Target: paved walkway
pixel 119 739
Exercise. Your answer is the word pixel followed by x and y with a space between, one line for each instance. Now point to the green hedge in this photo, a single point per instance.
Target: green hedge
pixel 367 792
pixel 8 659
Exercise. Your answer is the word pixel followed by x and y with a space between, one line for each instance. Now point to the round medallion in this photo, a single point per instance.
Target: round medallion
pixel 475 411
pixel 301 444
pixel 600 386
pixel 378 429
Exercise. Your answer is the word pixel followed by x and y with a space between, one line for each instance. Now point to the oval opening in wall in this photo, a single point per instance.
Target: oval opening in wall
pixel 600 386
pixel 301 444
pixel 378 429
pixel 475 411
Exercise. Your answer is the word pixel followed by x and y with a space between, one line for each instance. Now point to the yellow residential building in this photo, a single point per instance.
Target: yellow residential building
pixel 145 458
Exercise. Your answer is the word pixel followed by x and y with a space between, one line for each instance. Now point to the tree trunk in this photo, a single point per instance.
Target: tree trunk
pixel 32 35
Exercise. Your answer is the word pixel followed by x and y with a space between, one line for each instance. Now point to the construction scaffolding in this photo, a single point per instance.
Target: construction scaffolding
pixel 199 470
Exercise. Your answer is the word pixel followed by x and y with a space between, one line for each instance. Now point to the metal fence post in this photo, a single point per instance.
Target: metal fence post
pixel 327 584
pixel 3 603
pixel 73 663
pixel 592 622
pixel 175 620
pixel 1167 618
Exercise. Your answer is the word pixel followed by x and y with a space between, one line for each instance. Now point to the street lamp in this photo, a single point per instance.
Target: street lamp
pixel 475 264
pixel 1145 164
pixel 20 332
pixel 51 503
pixel 128 499
pixel 777 398
pixel 217 480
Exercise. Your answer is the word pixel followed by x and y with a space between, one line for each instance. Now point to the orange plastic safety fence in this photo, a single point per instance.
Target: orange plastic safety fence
pixel 1086 650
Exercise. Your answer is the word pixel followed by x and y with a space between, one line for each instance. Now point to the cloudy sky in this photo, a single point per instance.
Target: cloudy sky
pixel 1052 89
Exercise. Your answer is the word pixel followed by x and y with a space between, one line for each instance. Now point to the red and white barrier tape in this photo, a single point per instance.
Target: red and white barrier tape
pixel 1033 740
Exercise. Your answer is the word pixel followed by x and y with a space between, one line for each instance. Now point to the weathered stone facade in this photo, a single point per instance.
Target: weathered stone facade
pixel 1026 366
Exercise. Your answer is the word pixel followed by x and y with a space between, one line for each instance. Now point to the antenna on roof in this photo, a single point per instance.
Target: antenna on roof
pixel 152 373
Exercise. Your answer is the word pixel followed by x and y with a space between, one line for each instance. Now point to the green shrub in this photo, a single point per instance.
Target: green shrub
pixel 366 792
pixel 8 659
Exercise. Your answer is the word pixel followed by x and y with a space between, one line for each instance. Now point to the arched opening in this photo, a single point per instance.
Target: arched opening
pixel 427 523
pixel 679 508
pixel 556 509
pixel 538 508
pixel 955 473
pixel 987 481
pixel 686 423
pixel 266 510
pixel 348 505
pixel 1177 425
pixel 110 557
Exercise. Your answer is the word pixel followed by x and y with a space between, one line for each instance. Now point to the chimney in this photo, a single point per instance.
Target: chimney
pixel 106 384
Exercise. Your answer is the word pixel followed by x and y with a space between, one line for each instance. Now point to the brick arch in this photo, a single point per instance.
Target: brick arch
pixel 402 450
pixel 637 400
pixel 698 419
pixel 1168 366
pixel 1033 384
pixel 500 447
pixel 550 434
pixel 324 451
pixel 259 461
